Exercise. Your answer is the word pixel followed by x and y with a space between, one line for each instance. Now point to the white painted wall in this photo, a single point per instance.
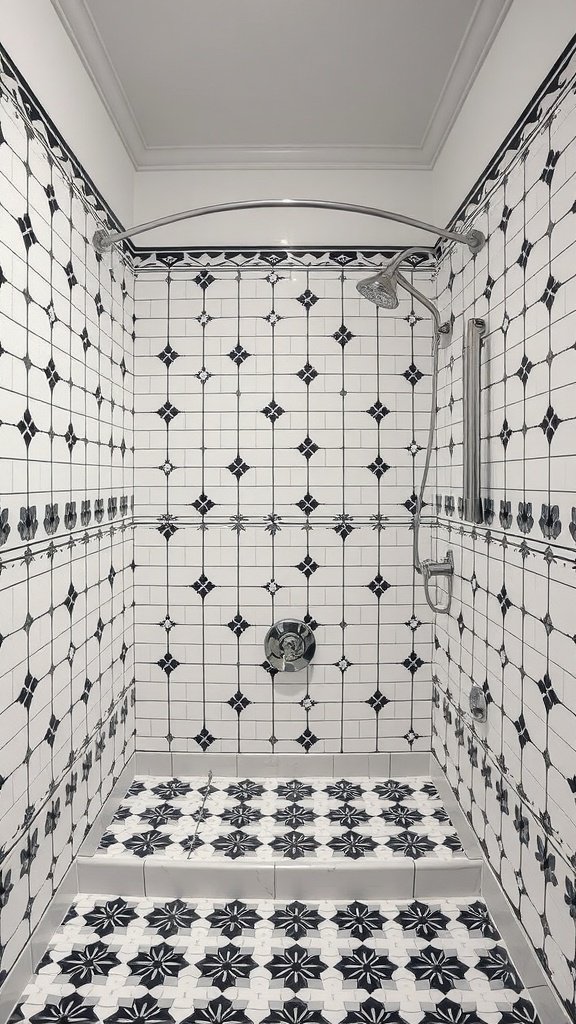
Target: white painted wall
pixel 532 37
pixel 530 40
pixel 166 191
pixel 37 43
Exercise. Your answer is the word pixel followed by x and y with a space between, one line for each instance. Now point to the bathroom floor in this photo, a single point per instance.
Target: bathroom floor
pixel 142 961
pixel 274 819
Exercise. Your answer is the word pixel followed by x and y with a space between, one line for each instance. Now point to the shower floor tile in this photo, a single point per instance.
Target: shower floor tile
pixel 123 961
pixel 271 820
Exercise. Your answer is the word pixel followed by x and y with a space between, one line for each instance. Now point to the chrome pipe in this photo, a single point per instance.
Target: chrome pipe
pixel 471 418
pixel 103 240
pixel 429 569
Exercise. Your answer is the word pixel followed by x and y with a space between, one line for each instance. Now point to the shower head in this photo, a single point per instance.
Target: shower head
pixel 380 289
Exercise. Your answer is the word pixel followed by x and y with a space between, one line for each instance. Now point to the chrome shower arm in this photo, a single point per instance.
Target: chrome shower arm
pixel 103 240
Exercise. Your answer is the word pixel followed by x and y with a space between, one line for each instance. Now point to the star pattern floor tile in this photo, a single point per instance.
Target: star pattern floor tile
pixel 123 961
pixel 279 819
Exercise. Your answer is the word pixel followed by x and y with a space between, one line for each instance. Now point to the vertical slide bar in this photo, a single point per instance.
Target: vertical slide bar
pixel 471 420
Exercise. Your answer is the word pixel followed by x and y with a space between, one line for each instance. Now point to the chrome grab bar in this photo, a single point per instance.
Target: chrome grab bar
pixel 471 383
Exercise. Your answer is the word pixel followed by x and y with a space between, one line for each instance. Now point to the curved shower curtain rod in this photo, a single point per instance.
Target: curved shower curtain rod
pixel 104 240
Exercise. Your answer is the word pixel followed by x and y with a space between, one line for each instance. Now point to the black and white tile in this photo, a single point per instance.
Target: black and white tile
pixel 116 960
pixel 279 819
pixel 512 630
pixel 283 421
pixel 66 547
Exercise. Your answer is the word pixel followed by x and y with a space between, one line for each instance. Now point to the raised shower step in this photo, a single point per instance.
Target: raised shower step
pixel 122 961
pixel 274 836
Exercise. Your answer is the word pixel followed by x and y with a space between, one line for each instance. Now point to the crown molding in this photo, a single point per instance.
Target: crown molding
pixel 82 32
pixel 484 25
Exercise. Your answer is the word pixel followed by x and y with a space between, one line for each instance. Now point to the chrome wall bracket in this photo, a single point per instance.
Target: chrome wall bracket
pixel 445 334
pixel 434 570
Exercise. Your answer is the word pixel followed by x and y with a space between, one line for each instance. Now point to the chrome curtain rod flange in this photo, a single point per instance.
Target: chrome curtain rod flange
pixel 104 240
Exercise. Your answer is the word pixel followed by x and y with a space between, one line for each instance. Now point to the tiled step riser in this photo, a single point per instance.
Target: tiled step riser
pixel 257 766
pixel 400 879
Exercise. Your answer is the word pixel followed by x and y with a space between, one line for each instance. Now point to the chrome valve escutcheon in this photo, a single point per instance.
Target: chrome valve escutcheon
pixel 289 645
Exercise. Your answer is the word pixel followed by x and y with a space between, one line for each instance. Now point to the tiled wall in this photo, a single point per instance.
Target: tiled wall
pixel 280 422
pixel 513 627
pixel 66 582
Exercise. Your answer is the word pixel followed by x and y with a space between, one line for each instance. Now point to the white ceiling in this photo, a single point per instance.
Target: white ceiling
pixel 332 83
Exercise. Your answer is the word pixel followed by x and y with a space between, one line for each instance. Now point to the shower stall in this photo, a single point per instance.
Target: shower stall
pixel 286 595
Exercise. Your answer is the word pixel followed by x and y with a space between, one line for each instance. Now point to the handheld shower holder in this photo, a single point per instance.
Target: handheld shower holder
pixel 433 570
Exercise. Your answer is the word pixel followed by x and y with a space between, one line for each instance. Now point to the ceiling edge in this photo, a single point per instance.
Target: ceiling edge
pixel 472 52
pixel 83 33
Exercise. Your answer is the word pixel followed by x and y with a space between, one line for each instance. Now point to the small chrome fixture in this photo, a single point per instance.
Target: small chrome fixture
pixel 104 240
pixel 432 570
pixel 289 645
pixel 471 351
pixel 199 814
pixel 478 704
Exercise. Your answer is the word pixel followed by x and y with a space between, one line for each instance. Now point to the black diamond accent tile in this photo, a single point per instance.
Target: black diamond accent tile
pixel 204 739
pixel 308 448
pixel 27 427
pixel 413 375
pixel 343 335
pixel 307 373
pixel 378 467
pixel 70 437
pixel 377 701
pixel 307 299
pixel 168 355
pixel 307 739
pixel 238 467
pixel 378 586
pixel 550 424
pixel 505 434
pixel 413 662
pixel 524 253
pixel 203 586
pixel 203 504
pixel 52 375
pixel 503 600
pixel 550 291
pixel 238 625
pixel 238 354
pixel 239 702
pixel 167 412
pixel 168 663
pixel 273 411
pixel 307 566
pixel 523 371
pixel 204 279
pixel 307 504
pixel 378 411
